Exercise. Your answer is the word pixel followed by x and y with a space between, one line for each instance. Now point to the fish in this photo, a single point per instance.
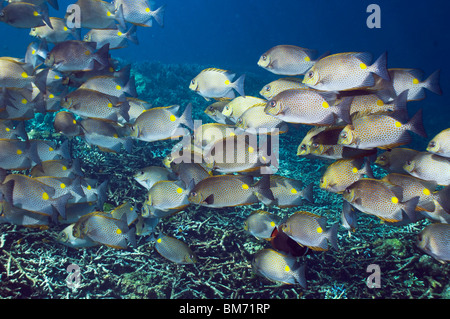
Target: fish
pixel 373 103
pixel 76 55
pixel 137 107
pixel 166 196
pixel 346 71
pixel 310 230
pixel 14 74
pixel 67 238
pixel 303 148
pixel 206 135
pixel 256 121
pixel 214 111
pixel 62 185
pixel 30 194
pixel 98 14
pixel 180 154
pixel 433 240
pixel 380 131
pixel 138 12
pixel 25 15
pixel 17 216
pixel 149 175
pixel 36 53
pixel 59 32
pixel 53 3
pixel 429 167
pixel 308 107
pixel 237 106
pixel 12 131
pixel 114 37
pixel 440 144
pixel 216 83
pixel 49 150
pixel 186 172
pixel 94 192
pixel 107 136
pixel 230 190
pixel 102 228
pixel 65 123
pixel 279 267
pixel 342 173
pixel 261 224
pixel 285 244
pixel 375 197
pixel 288 192
pixel 160 123
pixel 275 87
pixel 93 104
pixel 174 250
pixel 287 60
pixel 111 85
pixel 349 218
pixel 393 160
pixel 126 209
pixel 17 154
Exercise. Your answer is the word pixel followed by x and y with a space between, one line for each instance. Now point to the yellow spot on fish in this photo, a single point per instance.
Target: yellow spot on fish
pixel 62 185
pixel 33 52
pixel 45 196
pixel 147 10
pixel 380 103
pixel 51 149
pixel 87 52
pixel 89 187
pixel 287 269
pixel 159 240
pixel 24 101
pixel 362 66
pixel 398 124
pixel 57 77
pixel 119 33
pixel 65 29
pixel 415 81
pixel 118 231
pixel 18 152
pixel 179 190
pixel 293 191
pixel 64 168
pixel 325 104
pixel 250 149
pixel 7 129
pixel 227 82
pixel 35 13
pixel 426 191
pixel 24 74
pixel 394 200
pixel 232 134
pixel 272 224
pixel 355 170
pixel 118 87
pixel 111 69
pixel 51 96
pixel 115 135
pixel 319 230
pixel 74 122
pixel 110 104
pixel 108 14
pixel 172 118
pixel 307 59
pixel 244 186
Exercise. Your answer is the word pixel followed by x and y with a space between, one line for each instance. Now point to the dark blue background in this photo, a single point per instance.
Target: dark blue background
pixel 232 34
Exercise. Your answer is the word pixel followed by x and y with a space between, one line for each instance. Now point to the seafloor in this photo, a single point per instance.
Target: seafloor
pixel 34 265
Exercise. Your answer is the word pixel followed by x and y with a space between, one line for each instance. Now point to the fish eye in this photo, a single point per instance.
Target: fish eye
pixel 193 81
pixel 311 74
pixel 408 162
pixel 273 103
pixel 344 134
pixel 264 57
pixel 86 37
pixel 432 144
pixel 303 147
pixel 239 121
pixel 315 145
pixel 321 180
pixel 347 191
pixel 383 157
pixel 267 88
pixel 211 108
pixel 193 194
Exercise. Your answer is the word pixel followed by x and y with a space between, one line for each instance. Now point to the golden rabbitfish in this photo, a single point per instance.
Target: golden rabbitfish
pixel 288 192
pixel 99 14
pixel 175 250
pixel 256 121
pixel 115 38
pixel 380 130
pixel 236 107
pixel 207 134
pixel 280 85
pixel 342 173
pixel 429 167
pixel 261 224
pixel 381 199
pixel 148 176
pixel 216 83
pixel 434 240
pixel 279 267
pixel 310 230
pixel 139 12
pixel 440 144
pixel 166 196
pixel 102 228
pixel 345 71
pixel 287 60
pixel 59 32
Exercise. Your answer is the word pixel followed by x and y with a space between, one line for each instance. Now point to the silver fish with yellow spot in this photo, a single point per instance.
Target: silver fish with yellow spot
pixel 175 250
pixel 280 85
pixel 17 216
pixel 25 15
pixel 11 131
pixel 104 229
pixel 139 12
pixel 310 230
pixel 50 150
pixel 381 199
pixel 15 74
pixel 279 267
pixel 309 107
pixel 97 14
pixel 165 198
pixel 160 123
pixel 372 103
pixel 58 33
pixel 65 123
pixel 62 185
pixel 429 167
pixel 67 238
pixel 149 175
pixel 256 121
pixel 207 134
pixel 214 111
pixel 440 144
pixel 342 173
pixel 236 107
pixel 287 60
pixel 434 240
pixel 216 83
pixel 230 190
pixel 380 130
pixel 288 192
pixel 346 71
pixel 114 37
pixel 17 155
pixel 111 85
pixel 261 224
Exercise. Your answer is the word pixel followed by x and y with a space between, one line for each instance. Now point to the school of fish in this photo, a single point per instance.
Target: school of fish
pixel 356 107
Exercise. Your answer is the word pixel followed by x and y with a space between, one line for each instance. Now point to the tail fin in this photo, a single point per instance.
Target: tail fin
pixel 332 236
pixel 124 109
pixel 410 208
pixel 238 85
pixel 60 204
pixel 343 110
pixel 367 168
pixel 130 87
pixel 186 117
pixel 380 67
pixel 416 124
pixel 131 35
pixel 158 15
pixel 40 80
pixel 102 55
pixel 300 276
pixel 307 193
pixel 119 18
pixel 432 82
pixel 263 188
